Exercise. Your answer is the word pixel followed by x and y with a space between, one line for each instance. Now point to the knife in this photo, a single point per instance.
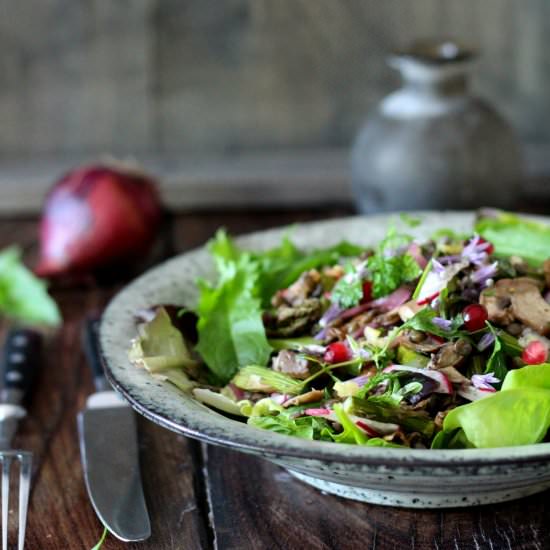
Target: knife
pixel 109 452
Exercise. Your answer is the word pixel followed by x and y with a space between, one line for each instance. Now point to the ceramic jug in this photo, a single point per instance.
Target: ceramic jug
pixel 432 144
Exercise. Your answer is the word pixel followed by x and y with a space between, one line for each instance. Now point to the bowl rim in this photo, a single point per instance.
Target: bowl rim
pixel 214 427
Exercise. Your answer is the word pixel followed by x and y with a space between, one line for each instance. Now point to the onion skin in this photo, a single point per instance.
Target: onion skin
pixel 96 216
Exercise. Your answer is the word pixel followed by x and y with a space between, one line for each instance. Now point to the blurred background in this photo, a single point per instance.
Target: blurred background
pixel 240 101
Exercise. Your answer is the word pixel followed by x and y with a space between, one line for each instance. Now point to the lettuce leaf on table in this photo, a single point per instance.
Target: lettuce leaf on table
pixel 23 296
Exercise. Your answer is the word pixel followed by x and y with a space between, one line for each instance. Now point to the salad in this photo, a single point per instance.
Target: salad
pixel 434 344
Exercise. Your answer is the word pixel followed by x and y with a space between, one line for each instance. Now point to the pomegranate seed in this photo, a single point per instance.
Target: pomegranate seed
pixel 535 353
pixel 490 249
pixel 337 352
pixel 367 292
pixel 474 316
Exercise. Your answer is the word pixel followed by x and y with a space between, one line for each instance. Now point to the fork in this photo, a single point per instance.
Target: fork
pixel 22 351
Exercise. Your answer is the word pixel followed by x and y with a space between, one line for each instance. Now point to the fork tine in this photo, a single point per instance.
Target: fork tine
pixel 6 463
pixel 24 490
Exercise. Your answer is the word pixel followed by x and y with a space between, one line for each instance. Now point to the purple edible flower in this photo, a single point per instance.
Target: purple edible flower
pixel 437 267
pixel 485 272
pixel 484 381
pixel 443 324
pixel 475 250
pixel 330 314
pixel 486 341
pixel 361 380
pixel 322 334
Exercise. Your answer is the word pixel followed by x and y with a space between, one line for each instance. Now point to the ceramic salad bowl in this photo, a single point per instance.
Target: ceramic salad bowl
pixel 398 477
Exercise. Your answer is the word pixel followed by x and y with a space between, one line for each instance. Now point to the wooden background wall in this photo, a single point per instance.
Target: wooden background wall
pixel 141 76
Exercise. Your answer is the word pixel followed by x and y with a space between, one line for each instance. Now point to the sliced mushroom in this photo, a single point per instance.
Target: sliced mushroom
pixel 309 397
pixel 359 322
pixel 293 321
pixel 299 291
pixel 516 299
pixel 291 363
pixel 451 354
pixel 426 345
pixel 521 300
pixel 498 304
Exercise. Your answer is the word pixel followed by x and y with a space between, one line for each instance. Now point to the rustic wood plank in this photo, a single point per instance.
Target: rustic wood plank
pixel 171 472
pixel 294 180
pixel 256 505
pixel 84 85
pixel 60 514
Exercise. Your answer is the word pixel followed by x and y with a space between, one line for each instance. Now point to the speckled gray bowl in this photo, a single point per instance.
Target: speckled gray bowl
pixel 410 478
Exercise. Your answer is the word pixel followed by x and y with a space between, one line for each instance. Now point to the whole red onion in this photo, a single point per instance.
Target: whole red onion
pixel 95 216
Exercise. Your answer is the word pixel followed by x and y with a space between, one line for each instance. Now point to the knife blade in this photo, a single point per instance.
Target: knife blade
pixel 109 452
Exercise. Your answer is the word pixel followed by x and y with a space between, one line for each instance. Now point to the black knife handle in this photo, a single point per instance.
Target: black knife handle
pixel 90 344
pixel 21 358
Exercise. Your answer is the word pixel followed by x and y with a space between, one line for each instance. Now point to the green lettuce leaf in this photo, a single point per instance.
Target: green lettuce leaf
pixel 519 414
pixel 423 321
pixel 515 236
pixel 497 361
pixel 278 267
pixel 306 427
pixel 22 295
pixel 350 433
pixel 230 327
pixel 507 418
pixel 261 379
pixel 292 343
pixel 160 346
pixel 531 376
pixel 414 421
pixel 221 402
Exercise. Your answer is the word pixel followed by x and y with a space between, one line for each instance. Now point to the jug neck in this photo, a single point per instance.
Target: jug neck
pixel 438 80
pixel 435 67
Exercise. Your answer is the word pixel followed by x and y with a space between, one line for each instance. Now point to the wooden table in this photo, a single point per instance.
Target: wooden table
pixel 208 497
